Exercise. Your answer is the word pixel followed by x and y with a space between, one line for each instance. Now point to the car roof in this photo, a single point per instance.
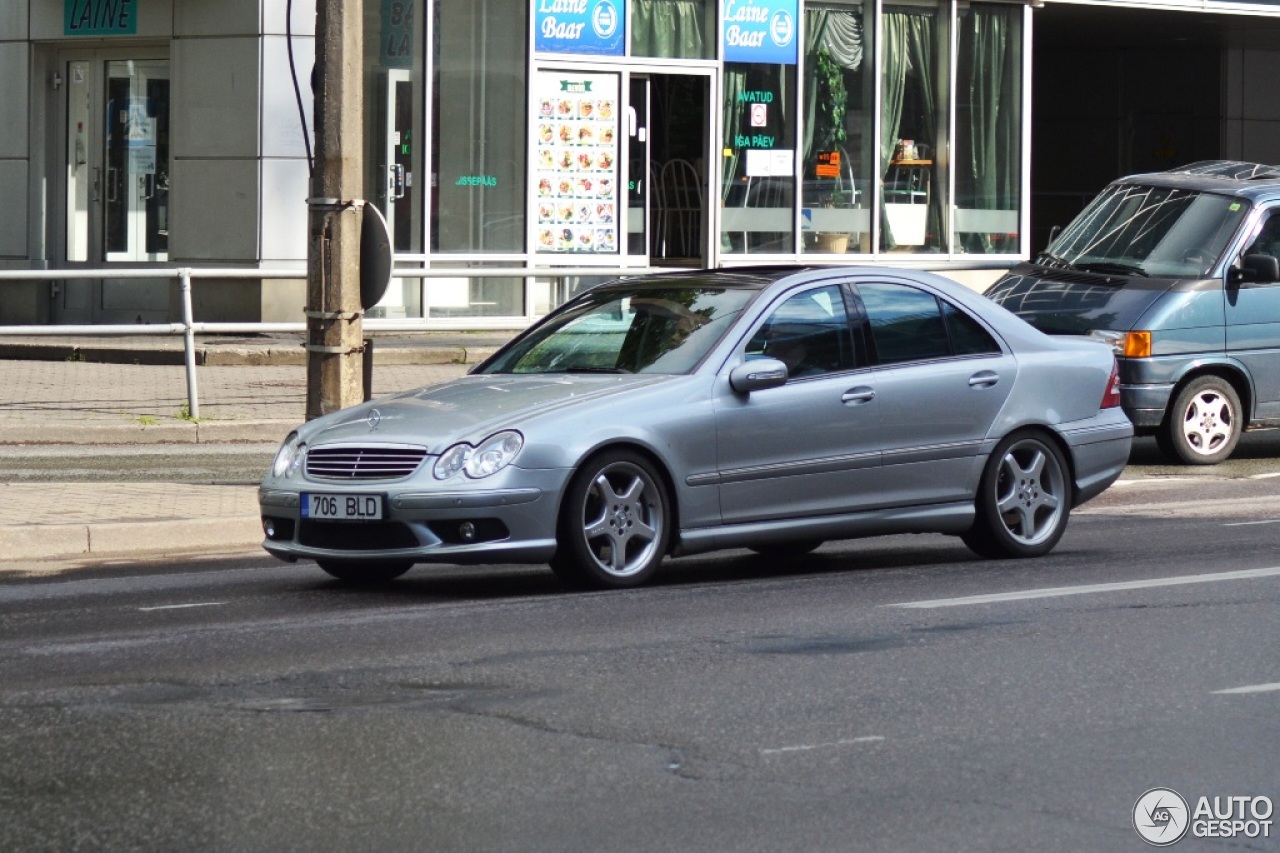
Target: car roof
pixel 1252 181
pixel 745 278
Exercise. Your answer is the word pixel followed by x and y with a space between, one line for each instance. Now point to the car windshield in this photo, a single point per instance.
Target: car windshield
pixel 1149 231
pixel 628 330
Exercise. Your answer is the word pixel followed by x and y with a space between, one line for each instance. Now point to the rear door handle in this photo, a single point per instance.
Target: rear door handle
pixel 859 395
pixel 984 379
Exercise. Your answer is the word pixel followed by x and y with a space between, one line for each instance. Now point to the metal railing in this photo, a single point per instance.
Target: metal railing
pixel 189 328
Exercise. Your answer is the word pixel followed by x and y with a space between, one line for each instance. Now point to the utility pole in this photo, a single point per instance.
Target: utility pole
pixel 335 334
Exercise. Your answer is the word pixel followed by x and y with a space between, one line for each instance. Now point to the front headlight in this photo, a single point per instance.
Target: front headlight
pixel 1132 344
pixel 289 457
pixel 494 454
pixel 491 456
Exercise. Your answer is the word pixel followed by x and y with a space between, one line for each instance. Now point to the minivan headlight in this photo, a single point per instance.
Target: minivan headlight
pixel 1131 344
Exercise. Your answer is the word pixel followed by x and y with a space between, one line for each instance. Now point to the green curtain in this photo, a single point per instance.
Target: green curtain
pixel 910 50
pixel 668 28
pixel 989 172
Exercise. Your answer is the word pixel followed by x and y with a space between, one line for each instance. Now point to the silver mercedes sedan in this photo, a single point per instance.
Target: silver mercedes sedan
pixel 764 408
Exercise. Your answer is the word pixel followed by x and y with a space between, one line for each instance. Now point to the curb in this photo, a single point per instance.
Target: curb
pixel 134 432
pixel 113 539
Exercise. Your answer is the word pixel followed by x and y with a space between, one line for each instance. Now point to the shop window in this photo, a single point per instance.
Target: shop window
pixel 988 144
pixel 913 115
pixel 674 29
pixel 758 194
pixel 838 145
pixel 478 120
pixel 394 126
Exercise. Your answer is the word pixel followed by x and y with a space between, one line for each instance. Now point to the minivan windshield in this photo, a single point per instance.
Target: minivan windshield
pixel 1149 231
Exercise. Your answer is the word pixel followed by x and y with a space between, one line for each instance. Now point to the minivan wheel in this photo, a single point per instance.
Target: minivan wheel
pixel 613 528
pixel 1024 500
pixel 1204 422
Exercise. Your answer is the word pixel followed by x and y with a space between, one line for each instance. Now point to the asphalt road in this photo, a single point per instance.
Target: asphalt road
pixel 859 698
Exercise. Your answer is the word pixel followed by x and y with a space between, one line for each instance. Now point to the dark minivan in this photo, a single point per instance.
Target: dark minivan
pixel 1178 271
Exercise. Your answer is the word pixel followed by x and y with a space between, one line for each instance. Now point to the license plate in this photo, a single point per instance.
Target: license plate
pixel 342 507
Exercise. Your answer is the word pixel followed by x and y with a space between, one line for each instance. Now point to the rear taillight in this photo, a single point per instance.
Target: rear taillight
pixel 1111 396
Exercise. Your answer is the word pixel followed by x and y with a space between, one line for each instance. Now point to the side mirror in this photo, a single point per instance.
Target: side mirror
pixel 758 374
pixel 1256 268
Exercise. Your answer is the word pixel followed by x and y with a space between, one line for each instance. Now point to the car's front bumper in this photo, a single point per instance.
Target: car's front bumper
pixel 461 526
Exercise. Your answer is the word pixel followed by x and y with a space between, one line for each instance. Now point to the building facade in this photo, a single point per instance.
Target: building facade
pixel 570 137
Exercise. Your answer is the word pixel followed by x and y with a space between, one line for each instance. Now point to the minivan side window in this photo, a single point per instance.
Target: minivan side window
pixel 1268 240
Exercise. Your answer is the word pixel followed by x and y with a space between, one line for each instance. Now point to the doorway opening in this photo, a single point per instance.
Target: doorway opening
pixel 114 193
pixel 679 171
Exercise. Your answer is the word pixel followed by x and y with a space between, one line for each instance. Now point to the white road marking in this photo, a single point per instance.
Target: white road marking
pixel 1054 592
pixel 1252 688
pixel 1247 523
pixel 808 746
pixel 181 606
pixel 1266 476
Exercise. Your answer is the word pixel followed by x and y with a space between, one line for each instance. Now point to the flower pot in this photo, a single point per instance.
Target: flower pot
pixel 833 243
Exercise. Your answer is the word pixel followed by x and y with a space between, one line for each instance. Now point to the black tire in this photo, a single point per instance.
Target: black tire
pixel 613 527
pixel 1024 499
pixel 1204 422
pixel 787 549
pixel 363 573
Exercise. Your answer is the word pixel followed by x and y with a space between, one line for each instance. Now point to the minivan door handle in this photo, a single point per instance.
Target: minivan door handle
pixel 859 395
pixel 984 379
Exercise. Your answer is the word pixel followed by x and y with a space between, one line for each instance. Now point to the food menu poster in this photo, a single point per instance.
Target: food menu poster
pixel 577 157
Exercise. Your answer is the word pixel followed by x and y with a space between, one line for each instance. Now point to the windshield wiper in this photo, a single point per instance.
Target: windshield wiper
pixel 1048 260
pixel 590 370
pixel 1113 266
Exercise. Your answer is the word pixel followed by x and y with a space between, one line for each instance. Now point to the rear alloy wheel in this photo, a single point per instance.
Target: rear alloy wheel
pixel 613 523
pixel 1024 500
pixel 361 573
pixel 1204 422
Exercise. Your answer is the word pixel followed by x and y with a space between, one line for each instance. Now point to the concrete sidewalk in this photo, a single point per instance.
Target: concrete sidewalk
pixel 83 393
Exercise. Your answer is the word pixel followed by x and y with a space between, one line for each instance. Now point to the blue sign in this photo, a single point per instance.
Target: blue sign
pixel 99 17
pixel 594 27
pixel 760 31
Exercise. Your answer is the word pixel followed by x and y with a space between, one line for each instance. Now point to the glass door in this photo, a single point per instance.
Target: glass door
pixel 115 198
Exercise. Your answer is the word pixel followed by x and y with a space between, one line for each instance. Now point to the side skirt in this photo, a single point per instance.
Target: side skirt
pixel 952 518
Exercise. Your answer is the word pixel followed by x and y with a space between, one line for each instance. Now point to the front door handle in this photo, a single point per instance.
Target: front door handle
pixel 859 395
pixel 984 379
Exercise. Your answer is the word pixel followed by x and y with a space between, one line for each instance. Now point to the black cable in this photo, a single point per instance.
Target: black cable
pixel 297 92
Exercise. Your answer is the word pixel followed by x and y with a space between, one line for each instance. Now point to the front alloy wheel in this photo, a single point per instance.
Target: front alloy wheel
pixel 1024 500
pixel 1204 422
pixel 613 523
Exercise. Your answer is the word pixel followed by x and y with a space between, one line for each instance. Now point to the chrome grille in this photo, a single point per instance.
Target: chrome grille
pixel 383 462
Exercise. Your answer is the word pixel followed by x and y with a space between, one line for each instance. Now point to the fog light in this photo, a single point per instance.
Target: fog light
pixel 467 531
pixel 269 528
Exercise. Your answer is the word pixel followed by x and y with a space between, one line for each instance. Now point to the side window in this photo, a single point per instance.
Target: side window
pixel 1268 240
pixel 968 337
pixel 809 333
pixel 906 323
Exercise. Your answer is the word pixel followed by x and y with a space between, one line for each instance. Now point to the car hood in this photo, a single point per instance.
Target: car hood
pixel 1067 302
pixel 470 408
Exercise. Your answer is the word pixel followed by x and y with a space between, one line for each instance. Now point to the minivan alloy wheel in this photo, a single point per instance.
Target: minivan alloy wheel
pixel 1204 423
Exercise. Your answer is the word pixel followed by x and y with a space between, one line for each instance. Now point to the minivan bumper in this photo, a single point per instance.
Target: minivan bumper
pixel 1145 404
